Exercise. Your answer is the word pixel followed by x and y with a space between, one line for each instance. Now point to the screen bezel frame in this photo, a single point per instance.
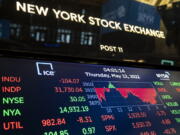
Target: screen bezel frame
pixel 70 59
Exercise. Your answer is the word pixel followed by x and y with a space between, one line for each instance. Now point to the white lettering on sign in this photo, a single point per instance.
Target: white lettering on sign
pixel 95 21
pixel 108 48
pixel 104 23
pixel 31 9
pixel 45 72
pixel 69 16
pixel 143 31
pixel 163 76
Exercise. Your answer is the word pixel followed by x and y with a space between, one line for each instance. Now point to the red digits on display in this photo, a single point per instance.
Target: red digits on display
pixel 148 133
pixel 170 131
pixel 178 89
pixel 68 89
pixel 162 90
pixel 84 119
pixel 69 80
pixel 161 113
pixel 166 122
pixel 53 122
pixel 137 115
pixel 141 124
pixel 110 128
pixel 107 117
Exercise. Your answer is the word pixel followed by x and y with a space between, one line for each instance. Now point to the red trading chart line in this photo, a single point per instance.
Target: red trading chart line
pixel 146 95
pixel 126 94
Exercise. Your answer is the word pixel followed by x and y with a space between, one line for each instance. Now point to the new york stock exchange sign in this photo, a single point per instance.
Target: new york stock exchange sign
pixel 94 21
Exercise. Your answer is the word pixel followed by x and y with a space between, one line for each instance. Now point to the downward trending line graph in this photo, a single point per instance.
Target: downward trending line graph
pixel 118 94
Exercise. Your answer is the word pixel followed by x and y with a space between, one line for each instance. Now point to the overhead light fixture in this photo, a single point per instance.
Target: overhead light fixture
pixel 129 60
pixel 158 2
pixel 149 2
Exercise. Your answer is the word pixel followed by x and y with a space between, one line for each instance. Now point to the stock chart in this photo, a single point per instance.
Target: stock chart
pixel 61 98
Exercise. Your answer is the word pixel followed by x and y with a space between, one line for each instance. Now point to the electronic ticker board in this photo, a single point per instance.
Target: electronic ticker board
pixel 60 98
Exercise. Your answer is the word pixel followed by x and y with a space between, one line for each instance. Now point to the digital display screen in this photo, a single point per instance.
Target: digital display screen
pixel 60 98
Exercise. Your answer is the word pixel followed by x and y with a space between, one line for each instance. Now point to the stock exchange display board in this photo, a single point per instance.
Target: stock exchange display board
pixel 57 98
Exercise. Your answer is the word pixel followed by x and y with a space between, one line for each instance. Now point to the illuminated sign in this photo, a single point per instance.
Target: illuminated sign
pixel 110 48
pixel 163 76
pixel 87 99
pixel 158 2
pixel 94 21
pixel 40 71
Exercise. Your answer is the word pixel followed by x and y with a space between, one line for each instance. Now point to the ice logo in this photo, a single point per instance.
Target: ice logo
pixel 163 76
pixel 45 69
